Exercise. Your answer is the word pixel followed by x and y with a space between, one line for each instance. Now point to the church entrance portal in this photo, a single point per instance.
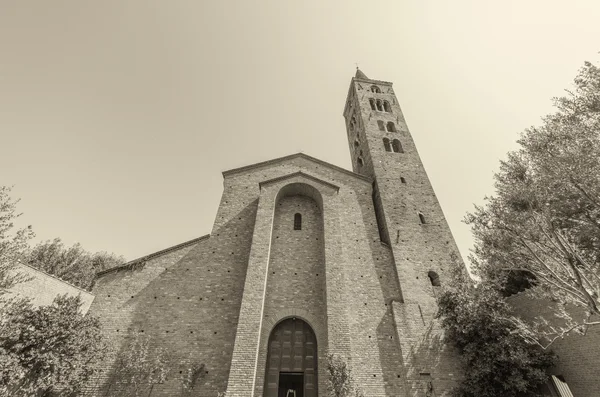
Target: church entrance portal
pixel 291 360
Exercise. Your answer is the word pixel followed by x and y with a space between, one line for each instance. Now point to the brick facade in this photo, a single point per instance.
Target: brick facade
pixel 357 271
pixel 41 288
pixel 577 354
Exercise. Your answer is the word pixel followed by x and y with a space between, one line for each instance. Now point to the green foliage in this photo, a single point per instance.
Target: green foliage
pixel 545 217
pixel 340 382
pixel 498 361
pixel 139 366
pixel 72 264
pixel 47 350
pixel 13 244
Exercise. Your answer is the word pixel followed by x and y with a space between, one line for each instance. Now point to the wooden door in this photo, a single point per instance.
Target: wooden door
pixel 292 349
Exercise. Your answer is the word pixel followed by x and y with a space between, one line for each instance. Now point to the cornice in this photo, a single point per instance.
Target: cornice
pixel 293 156
pixel 299 173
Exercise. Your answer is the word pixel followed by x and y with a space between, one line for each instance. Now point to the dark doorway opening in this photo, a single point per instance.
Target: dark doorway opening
pixel 291 381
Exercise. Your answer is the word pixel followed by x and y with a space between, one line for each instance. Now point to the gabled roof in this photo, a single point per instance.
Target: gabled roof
pixel 132 264
pixel 302 174
pixel 294 156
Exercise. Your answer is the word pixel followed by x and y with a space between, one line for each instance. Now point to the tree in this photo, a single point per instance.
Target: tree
pixel 139 367
pixel 47 351
pixel 497 360
pixel 340 382
pixel 12 244
pixel 72 264
pixel 544 220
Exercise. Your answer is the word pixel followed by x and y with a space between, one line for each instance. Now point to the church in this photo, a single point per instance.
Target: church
pixel 305 259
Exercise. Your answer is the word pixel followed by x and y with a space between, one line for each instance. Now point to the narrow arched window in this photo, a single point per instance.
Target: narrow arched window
pixel 356 143
pixel 379 105
pixel 351 127
pixel 359 161
pixel 391 127
pixel 375 89
pixel 387 107
pixel 372 103
pixel 422 218
pixel 297 221
pixel 380 125
pixel 397 146
pixel 386 144
pixel 434 278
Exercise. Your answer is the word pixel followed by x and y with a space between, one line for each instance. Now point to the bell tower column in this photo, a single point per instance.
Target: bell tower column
pixel 409 216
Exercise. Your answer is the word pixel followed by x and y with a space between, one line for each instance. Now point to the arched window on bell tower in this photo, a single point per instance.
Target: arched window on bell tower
pixel 372 103
pixel 297 221
pixel 386 145
pixel 397 146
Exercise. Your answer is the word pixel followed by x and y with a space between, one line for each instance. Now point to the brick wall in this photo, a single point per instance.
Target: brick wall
pixel 181 298
pixel 42 288
pixel 416 248
pixel 577 355
pixel 187 301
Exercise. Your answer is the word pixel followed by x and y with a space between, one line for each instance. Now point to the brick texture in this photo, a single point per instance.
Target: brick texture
pixel 217 301
pixel 577 354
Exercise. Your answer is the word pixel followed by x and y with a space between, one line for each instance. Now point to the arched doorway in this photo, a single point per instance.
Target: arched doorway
pixel 291 360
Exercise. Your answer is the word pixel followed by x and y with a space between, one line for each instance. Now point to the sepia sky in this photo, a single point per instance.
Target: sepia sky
pixel 118 117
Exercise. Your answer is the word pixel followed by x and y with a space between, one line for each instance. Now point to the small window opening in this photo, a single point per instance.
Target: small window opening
pixel 379 105
pixel 375 89
pixel 391 127
pixel 360 161
pixel 356 143
pixel 387 107
pixel 422 218
pixel 434 278
pixel 297 222
pixel 386 144
pixel 397 146
pixel 380 125
pixel 372 103
pixel 351 126
pixel 402 179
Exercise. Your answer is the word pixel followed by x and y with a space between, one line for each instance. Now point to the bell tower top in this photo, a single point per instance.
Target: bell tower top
pixel 360 74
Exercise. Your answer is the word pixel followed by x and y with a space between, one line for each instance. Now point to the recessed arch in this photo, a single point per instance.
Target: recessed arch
pixel 300 189
pixel 375 89
pixel 292 362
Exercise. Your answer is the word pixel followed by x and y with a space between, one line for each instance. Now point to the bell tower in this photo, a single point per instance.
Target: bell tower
pixel 409 217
